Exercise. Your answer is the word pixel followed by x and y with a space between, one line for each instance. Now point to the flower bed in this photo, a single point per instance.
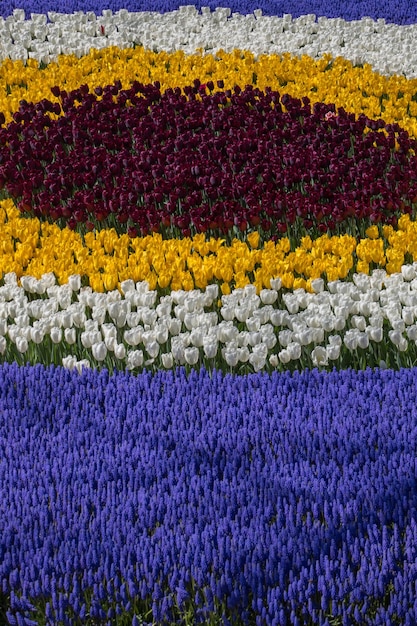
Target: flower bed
pixel 208 309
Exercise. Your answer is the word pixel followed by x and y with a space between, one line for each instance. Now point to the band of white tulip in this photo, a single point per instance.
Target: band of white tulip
pixel 388 48
pixel 373 316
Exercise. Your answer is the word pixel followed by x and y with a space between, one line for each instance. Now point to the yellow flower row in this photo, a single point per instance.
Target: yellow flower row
pixel 357 89
pixel 29 247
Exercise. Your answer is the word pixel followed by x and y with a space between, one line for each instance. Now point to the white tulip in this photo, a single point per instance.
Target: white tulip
pixel 56 335
pixel 284 356
pixel 21 344
pixel 257 361
pixel 69 362
pixel 227 313
pixel 285 337
pixel 317 285
pixel 351 339
pixel 412 332
pixel 133 318
pixel 276 283
pixel 149 317
pixel 362 281
pixel 212 291
pixel 365 308
pixel 242 313
pixel 167 360
pixel 226 332
pixel 22 320
pixel 127 285
pixel 36 335
pixel 243 354
pixel 304 336
pixel 120 351
pixel 64 296
pixel 273 360
pixel 28 283
pixel 359 322
pixel 3 345
pixel 254 338
pixel 10 279
pixel 161 334
pixel 80 365
pixel 250 291
pixel 89 338
pixel 396 337
pixel 191 355
pixel 268 296
pixel 408 315
pixel 376 320
pixel 408 272
pixel 328 323
pixel 99 351
pixel 70 335
pixel 269 340
pixel 66 319
pixel 253 324
pixel 280 318
pixel 174 326
pixel 335 340
pixel 398 325
pixel 291 302
pixel 263 314
pixel 375 333
pixel 294 350
pixel 178 296
pixel 133 337
pixel 48 279
pixel 363 340
pixel 319 356
pixel 99 314
pixel 197 337
pixel 79 317
pixel 190 321
pixel 74 281
pixel 13 332
pixel 111 343
pixel 164 307
pixel 231 355
pixel 210 347
pixel 108 330
pixel 3 327
pixel 152 348
pixel 318 335
pixel 333 352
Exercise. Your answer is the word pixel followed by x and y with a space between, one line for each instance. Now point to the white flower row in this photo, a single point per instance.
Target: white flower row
pixel 136 327
pixel 389 48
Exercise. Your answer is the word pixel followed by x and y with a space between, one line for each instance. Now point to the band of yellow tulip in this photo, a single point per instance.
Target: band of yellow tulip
pixel 105 259
pixel 357 89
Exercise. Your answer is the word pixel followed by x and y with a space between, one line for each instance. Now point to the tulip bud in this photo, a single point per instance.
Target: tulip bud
pixel 99 351
pixel 56 335
pixel 21 344
pixel 70 336
pixel 167 360
pixel 119 351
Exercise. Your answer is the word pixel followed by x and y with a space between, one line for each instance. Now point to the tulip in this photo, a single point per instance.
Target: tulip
pixel 56 335
pixel 167 360
pixel 21 344
pixel 70 335
pixel 319 356
pixel 210 347
pixel 191 355
pixel 119 351
pixel 99 350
